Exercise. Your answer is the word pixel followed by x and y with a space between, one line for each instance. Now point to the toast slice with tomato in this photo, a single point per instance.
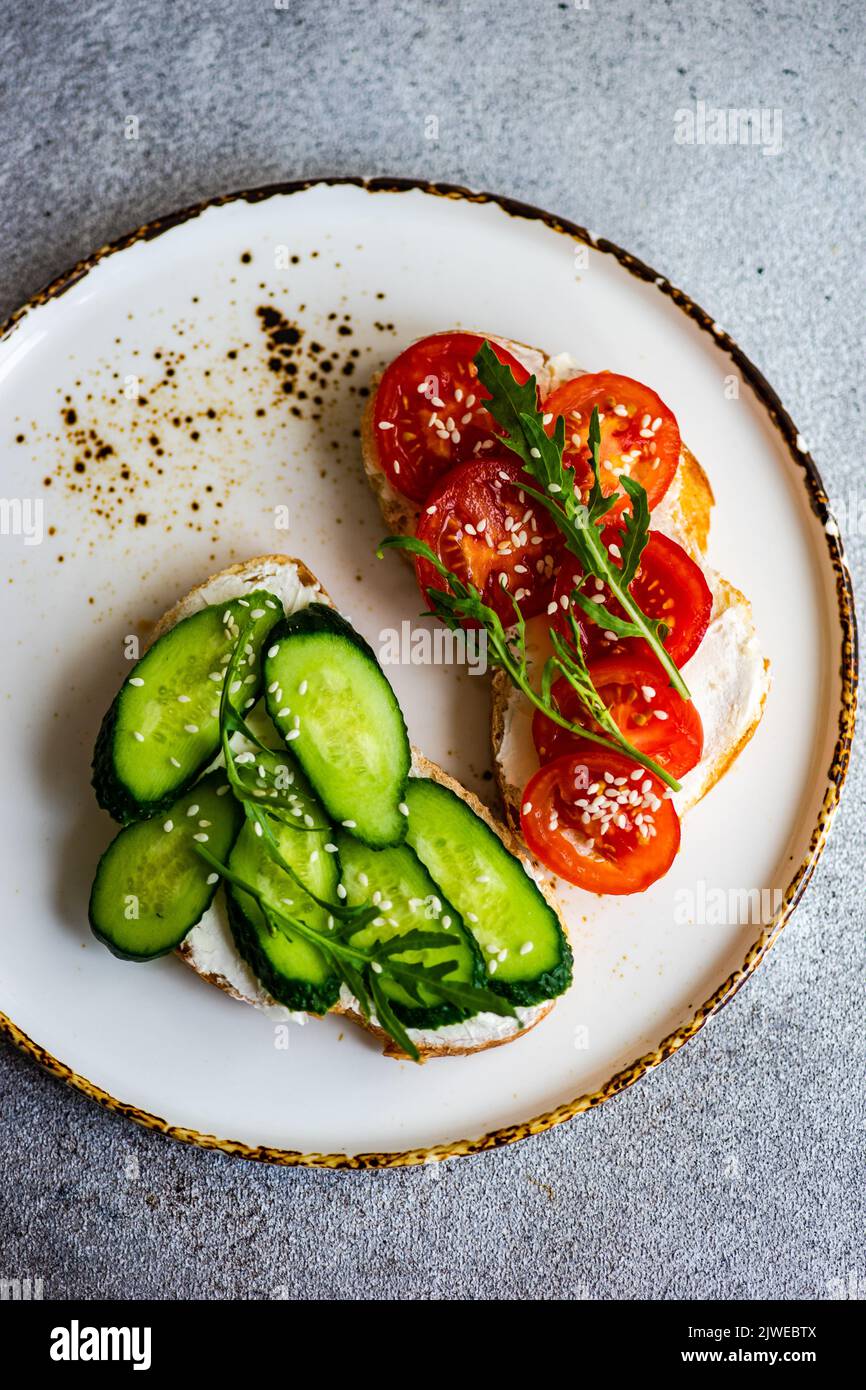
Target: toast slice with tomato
pixel 723 666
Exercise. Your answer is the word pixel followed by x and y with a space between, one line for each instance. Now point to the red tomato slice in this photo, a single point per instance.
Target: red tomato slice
pixel 429 413
pixel 639 434
pixel 668 585
pixel 650 714
pixel 489 532
pixel 600 821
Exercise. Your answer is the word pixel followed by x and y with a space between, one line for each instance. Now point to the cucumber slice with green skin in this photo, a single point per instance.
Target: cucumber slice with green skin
pixel 163 728
pixel 330 700
pixel 501 905
pixel 290 968
pixel 397 882
pixel 151 887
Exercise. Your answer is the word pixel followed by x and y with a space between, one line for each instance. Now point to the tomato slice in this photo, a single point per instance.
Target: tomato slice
pixel 651 715
pixel 639 434
pixel 482 525
pixel 668 585
pixel 429 412
pixel 600 821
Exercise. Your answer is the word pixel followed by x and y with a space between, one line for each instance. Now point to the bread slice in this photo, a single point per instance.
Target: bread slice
pixel 209 948
pixel 728 678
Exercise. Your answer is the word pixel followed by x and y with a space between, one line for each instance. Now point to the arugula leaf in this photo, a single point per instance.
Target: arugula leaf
pixel 361 969
pixel 509 653
pixel 636 532
pixel 579 523
pixel 364 968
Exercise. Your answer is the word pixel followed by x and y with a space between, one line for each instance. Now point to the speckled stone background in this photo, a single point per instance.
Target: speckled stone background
pixel 736 1170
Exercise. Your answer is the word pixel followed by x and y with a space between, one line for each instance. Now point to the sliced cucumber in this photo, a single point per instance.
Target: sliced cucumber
pixel 408 900
pixel 328 696
pixel 163 728
pixel 527 953
pixel 151 887
pixel 291 969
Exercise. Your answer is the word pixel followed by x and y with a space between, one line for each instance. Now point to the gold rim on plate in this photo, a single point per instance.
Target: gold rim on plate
pixel 835 773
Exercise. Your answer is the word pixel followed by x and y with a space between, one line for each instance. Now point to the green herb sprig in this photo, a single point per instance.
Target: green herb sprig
pixel 515 409
pixel 507 650
pixel 363 969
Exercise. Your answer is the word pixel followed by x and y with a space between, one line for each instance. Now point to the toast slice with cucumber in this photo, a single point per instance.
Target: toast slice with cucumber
pixel 325 821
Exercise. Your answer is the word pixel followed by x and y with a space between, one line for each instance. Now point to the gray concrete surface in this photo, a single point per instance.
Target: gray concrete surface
pixel 736 1170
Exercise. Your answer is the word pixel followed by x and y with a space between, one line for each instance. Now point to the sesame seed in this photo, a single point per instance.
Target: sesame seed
pixel 551 608
pixel 201 837
pixel 660 713
pixel 330 849
pixel 535 453
pixel 283 713
pixel 377 967
pixel 136 680
pixel 554 487
pixel 349 824
pixel 293 733
pixel 272 651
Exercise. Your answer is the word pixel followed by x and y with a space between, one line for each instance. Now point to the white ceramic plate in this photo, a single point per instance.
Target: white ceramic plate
pixel 185 480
